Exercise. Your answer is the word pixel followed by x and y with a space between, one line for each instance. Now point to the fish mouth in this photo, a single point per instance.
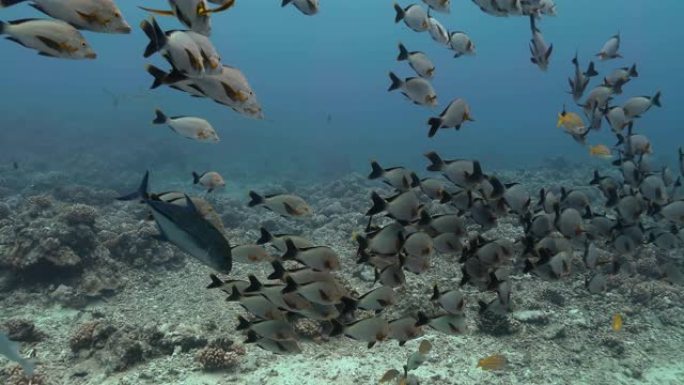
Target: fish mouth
pixel 124 29
pixel 91 55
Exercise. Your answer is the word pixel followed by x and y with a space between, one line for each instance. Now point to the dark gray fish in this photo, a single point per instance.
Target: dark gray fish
pixel 403 207
pixel 464 173
pixel 377 299
pixel 400 178
pixel 276 330
pixel 541 52
pixel 185 227
pixel 452 301
pixel 277 347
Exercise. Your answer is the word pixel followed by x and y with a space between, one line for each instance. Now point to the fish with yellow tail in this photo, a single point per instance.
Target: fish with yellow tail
pixel 616 324
pixel 573 125
pixel 493 362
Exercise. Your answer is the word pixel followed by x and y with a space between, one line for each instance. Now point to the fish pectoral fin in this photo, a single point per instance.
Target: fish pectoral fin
pixel 46 54
pixel 59 47
pixel 223 7
pixel 161 12
pixel 194 63
pixel 10 38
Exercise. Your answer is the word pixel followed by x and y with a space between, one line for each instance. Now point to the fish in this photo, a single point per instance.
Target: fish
pixel 276 330
pixel 464 173
pixel 437 31
pixel 452 301
pixel 637 106
pixel 600 151
pixel 257 304
pixel 653 189
pixel 194 14
pixel 598 99
pixel 617 118
pixel 319 258
pixel 573 124
pixel 493 362
pixel 541 52
pixel 414 16
pixel 227 285
pixel 461 44
pixel 406 328
pixel 419 244
pixel 456 113
pixel 619 77
pixel 416 89
pixel 435 189
pixel 287 205
pixel 610 49
pixel 616 324
pixel 581 80
pixel 389 375
pixel 92 15
pixel 569 222
pixel 451 324
pixel 250 253
pixel 277 347
pixel 418 60
pixel 370 330
pixel 301 276
pixel 307 7
pixel 211 180
pixel 186 228
pixel 377 299
pixel 177 47
pixel 279 240
pixel 442 223
pixel 51 38
pixel 442 6
pixel 10 350
pixel 392 276
pixel 673 212
pixel 188 127
pixel 211 57
pixel 387 240
pixel 417 358
pixel 400 178
pixel 327 292
pixel 517 198
pixel 403 207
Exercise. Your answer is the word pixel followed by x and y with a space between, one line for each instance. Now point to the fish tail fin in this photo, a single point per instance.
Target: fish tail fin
pixel 437 162
pixel 195 178
pixel 379 204
pixel 234 295
pixel 435 123
pixel 400 13
pixel 396 82
pixel 574 60
pixel 160 117
pixel 376 170
pixel 243 324
pixel 256 199
pixel 9 3
pixel 155 34
pixel 596 179
pixel 422 319
pixel 435 293
pixel 291 252
pixel 252 337
pixel 656 99
pixel 3 27
pixel 265 237
pixel 285 2
pixel 254 284
pixel 140 193
pixel 633 71
pixel 278 270
pixel 403 53
pixel 215 282
pixel 425 218
pixel 591 70
pixel 158 74
pixel 291 286
pixel 337 328
pixel 477 172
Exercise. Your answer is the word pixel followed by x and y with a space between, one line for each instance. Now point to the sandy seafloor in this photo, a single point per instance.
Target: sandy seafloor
pixel 563 336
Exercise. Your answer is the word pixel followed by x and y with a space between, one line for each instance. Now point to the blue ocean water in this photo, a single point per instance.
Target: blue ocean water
pixel 335 64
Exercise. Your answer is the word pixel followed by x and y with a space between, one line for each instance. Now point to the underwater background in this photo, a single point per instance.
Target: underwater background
pixel 336 64
pixel 94 297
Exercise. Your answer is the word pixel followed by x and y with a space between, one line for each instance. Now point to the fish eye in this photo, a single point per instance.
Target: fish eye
pixel 83 44
pixel 117 14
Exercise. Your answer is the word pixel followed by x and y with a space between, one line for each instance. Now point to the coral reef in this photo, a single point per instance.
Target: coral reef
pixel 22 330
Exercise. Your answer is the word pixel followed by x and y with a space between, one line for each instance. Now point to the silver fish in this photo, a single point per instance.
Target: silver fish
pixel 52 38
pixel 414 16
pixel 92 15
pixel 416 89
pixel 419 61
pixel 456 113
pixel 610 49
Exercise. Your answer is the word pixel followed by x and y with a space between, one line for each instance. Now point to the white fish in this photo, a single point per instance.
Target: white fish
pixel 194 14
pixel 53 38
pixel 307 7
pixel 443 6
pixel 180 83
pixel 437 31
pixel 92 15
pixel 541 52
pixel 177 47
pixel 637 106
pixel 414 17
pixel 619 77
pixel 188 127
pixel 581 80
pixel 418 61
pixel 416 89
pixel 617 118
pixel 456 113
pixel 610 49
pixel 287 205
pixel 211 180
pixel 461 43
pixel 597 98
